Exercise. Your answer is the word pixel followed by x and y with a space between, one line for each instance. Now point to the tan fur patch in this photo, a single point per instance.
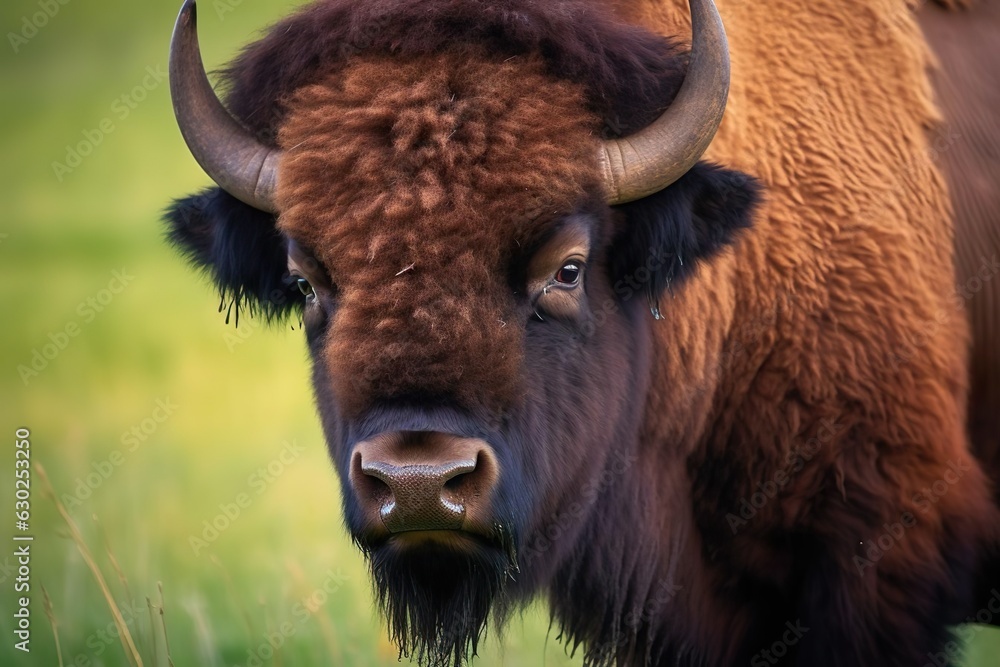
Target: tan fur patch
pixel 839 304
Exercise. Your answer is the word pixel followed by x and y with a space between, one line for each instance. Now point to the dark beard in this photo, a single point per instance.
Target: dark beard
pixel 438 598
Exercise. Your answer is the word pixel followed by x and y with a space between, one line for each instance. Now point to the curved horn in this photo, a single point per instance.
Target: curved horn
pixel 229 154
pixel 649 160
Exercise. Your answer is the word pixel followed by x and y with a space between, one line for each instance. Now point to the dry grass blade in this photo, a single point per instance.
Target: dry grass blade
pixel 123 632
pixel 122 579
pixel 152 628
pixel 52 621
pixel 163 624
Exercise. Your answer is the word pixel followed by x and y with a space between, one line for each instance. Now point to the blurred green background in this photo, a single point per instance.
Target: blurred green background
pixel 153 417
pixel 234 396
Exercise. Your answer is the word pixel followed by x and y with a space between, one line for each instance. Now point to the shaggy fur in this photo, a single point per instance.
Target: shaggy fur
pixel 431 152
pixel 842 309
pixel 629 74
pixel 786 446
pixel 452 169
pixel 240 248
pixel 437 601
pixel 695 218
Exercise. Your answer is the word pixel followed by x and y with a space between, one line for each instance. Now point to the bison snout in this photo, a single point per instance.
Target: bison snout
pixel 415 480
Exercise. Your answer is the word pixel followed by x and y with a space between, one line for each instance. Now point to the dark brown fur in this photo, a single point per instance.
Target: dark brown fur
pixel 629 75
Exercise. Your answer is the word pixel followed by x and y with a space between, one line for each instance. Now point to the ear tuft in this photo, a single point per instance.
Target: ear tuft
pixel 240 247
pixel 664 236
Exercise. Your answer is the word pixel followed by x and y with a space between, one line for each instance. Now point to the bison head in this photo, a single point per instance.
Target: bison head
pixel 442 191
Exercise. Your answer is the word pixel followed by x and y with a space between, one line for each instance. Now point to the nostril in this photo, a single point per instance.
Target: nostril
pixel 461 487
pixel 377 488
pixel 434 482
pixel 368 485
pixel 457 481
pixel 467 481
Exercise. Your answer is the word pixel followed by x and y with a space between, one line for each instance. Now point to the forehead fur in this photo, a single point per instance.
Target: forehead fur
pixel 415 182
pixel 628 74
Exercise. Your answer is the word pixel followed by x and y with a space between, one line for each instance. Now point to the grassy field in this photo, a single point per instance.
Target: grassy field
pixel 185 452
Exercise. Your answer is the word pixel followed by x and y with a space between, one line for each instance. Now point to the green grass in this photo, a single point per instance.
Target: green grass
pixel 239 394
pixel 235 400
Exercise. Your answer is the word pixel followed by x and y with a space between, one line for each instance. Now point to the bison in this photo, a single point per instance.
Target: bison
pixel 716 414
pixel 966 44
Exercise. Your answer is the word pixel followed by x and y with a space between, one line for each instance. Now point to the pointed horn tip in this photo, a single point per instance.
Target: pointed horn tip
pixel 641 164
pixel 189 12
pixel 202 116
pixel 186 23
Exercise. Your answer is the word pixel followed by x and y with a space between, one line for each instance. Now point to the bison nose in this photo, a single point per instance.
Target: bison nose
pixel 416 480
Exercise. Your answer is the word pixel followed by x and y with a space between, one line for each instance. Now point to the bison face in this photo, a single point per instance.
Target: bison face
pixel 478 315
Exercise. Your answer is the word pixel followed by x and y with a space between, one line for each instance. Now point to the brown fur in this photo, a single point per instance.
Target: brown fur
pixel 966 46
pixel 839 306
pixel 629 74
pixel 431 152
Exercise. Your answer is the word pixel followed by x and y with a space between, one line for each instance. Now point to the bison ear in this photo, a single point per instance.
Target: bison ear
pixel 240 247
pixel 665 236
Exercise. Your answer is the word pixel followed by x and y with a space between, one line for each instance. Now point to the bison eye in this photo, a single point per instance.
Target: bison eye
pixel 304 287
pixel 569 274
